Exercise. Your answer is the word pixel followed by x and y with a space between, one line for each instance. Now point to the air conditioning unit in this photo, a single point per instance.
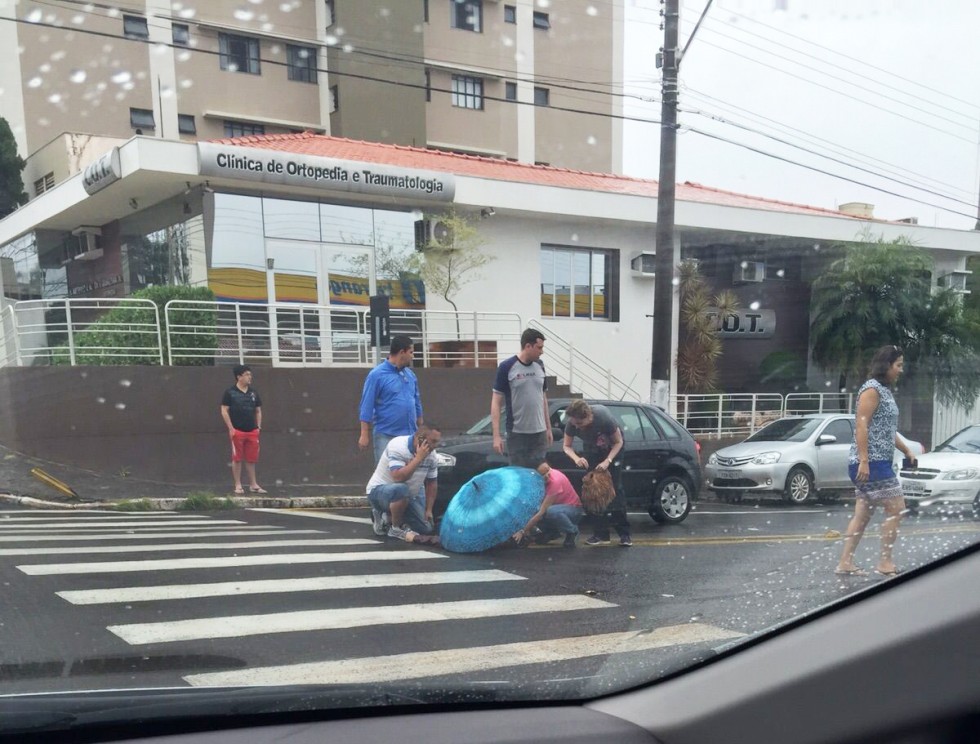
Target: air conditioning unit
pixel 433 232
pixel 644 265
pixel 83 245
pixel 750 271
pixel 956 281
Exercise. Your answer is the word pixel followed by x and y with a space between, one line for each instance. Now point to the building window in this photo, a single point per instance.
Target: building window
pixel 334 98
pixel 510 14
pixel 141 119
pixel 425 11
pixel 467 92
pixel 243 129
pixel 578 283
pixel 181 34
pixel 541 20
pixel 301 62
pixel 428 85
pixel 44 184
pixel 467 15
pixel 331 13
pixel 135 27
pixel 510 91
pixel 186 124
pixel 542 97
pixel 239 54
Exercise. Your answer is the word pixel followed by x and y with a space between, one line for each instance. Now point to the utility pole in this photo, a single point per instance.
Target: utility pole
pixel 666 188
pixel 663 301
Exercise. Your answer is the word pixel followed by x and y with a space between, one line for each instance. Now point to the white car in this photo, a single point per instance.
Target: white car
pixel 950 474
pixel 794 457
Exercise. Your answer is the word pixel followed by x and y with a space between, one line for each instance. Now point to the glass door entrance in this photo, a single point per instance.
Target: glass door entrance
pixel 320 295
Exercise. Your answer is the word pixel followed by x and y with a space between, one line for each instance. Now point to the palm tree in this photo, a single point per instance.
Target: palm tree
pixel 880 292
pixel 700 347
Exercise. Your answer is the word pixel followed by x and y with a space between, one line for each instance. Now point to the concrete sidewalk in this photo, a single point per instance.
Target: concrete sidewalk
pixel 108 491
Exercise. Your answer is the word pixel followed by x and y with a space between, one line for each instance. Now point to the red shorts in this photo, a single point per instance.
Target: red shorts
pixel 245 446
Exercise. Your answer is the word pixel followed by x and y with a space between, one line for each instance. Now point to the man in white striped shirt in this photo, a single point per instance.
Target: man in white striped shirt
pixel 402 490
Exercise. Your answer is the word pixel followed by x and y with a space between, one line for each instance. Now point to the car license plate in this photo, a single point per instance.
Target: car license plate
pixel 730 474
pixel 913 489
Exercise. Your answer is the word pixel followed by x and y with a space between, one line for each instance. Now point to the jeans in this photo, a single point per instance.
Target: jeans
pixel 615 514
pixel 381 498
pixel 562 518
pixel 380 442
pixel 526 450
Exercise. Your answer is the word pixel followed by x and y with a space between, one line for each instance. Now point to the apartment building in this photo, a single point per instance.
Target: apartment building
pixel 528 80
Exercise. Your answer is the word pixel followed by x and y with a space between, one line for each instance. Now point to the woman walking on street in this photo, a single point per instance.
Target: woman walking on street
pixel 870 463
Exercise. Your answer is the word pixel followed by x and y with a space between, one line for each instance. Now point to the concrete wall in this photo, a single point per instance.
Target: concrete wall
pixel 164 423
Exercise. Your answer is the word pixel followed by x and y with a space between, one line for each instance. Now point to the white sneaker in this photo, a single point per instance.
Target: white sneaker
pixel 400 533
pixel 380 520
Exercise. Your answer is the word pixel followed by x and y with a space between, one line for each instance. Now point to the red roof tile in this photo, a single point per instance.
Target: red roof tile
pixel 309 143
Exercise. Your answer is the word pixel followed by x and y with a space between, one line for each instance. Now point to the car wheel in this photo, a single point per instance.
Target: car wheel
pixel 799 486
pixel 671 501
pixel 912 505
pixel 733 497
pixel 976 506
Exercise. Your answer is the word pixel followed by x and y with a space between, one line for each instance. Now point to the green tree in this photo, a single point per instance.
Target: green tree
pixel 12 193
pixel 880 292
pixel 699 347
pixel 450 262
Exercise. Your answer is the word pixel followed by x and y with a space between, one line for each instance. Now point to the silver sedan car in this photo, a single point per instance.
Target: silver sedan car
pixel 794 457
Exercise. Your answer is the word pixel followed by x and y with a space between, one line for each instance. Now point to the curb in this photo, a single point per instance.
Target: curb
pixel 173 504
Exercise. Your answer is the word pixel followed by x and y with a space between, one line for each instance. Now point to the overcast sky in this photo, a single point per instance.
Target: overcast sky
pixel 891 86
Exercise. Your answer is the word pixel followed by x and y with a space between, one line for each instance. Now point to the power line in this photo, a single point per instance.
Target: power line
pixel 853 59
pixel 850 72
pixel 820 170
pixel 826 157
pixel 843 94
pixel 890 168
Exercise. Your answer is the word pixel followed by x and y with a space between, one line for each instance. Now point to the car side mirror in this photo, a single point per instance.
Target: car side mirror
pixel 826 439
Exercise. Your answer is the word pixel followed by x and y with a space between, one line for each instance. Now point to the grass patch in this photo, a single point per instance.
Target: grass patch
pixel 205 501
pixel 134 505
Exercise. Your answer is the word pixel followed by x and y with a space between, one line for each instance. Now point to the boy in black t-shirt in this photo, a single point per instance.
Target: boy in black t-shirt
pixel 241 410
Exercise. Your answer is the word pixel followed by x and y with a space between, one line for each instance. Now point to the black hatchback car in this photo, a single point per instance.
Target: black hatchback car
pixel 661 468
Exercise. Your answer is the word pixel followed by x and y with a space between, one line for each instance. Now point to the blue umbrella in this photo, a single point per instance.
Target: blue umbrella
pixel 491 507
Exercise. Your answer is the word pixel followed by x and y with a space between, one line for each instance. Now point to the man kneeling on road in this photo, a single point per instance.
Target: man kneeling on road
pixel 402 490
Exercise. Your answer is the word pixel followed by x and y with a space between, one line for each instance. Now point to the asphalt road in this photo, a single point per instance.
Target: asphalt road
pixel 98 600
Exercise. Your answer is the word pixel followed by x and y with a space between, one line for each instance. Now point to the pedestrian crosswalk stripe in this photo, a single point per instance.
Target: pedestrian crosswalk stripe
pixel 130 535
pixel 89 550
pixel 105 513
pixel 84 525
pixel 315 515
pixel 439 663
pixel 275 586
pixel 102 515
pixel 234 626
pixel 171 564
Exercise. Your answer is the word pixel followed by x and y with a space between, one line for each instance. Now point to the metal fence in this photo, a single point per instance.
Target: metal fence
pixel 81 331
pixel 742 414
pixel 132 331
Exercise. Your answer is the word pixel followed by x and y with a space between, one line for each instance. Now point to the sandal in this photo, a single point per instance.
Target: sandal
pixel 851 572
pixel 257 489
pixel 239 491
pixel 895 572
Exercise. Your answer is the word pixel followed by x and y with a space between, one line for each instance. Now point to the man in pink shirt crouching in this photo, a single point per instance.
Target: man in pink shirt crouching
pixel 560 512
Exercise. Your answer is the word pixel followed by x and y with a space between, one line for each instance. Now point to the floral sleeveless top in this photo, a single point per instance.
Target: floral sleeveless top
pixel 884 425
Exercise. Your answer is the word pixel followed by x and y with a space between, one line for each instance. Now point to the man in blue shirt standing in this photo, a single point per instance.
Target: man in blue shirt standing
pixel 391 401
